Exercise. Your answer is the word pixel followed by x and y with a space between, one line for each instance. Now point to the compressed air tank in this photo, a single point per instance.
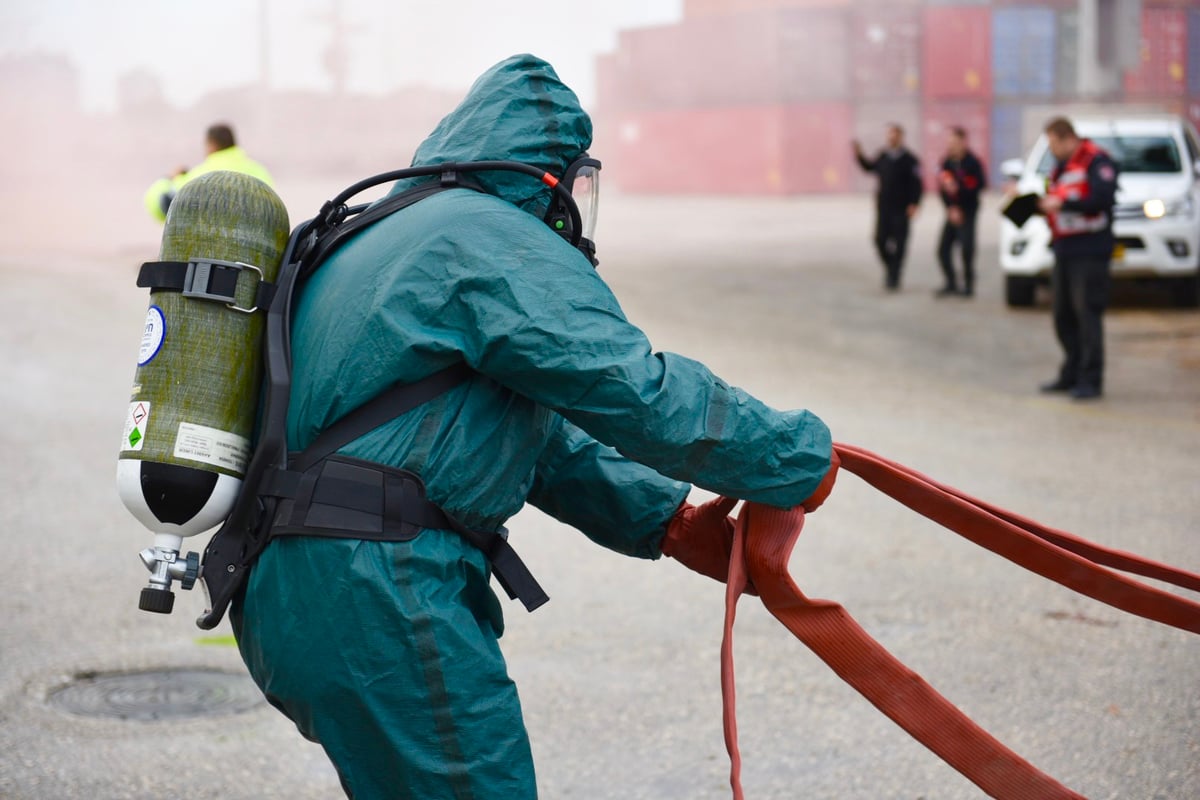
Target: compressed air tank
pixel 191 415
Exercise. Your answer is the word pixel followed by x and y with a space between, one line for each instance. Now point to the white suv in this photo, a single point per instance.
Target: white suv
pixel 1156 221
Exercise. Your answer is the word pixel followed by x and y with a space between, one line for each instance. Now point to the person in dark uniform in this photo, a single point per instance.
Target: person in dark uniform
pixel 1078 205
pixel 960 181
pixel 899 194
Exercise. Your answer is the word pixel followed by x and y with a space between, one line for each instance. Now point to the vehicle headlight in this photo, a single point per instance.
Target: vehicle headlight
pixel 1179 207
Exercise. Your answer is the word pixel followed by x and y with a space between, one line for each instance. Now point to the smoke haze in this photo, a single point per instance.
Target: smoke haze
pixel 97 100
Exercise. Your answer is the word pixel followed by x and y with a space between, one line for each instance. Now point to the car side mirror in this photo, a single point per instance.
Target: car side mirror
pixel 1013 168
pixel 1196 168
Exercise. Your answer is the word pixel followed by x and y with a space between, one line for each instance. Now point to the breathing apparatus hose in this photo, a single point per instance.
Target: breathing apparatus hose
pixel 763 542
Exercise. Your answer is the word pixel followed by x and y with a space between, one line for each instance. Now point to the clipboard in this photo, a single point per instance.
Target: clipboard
pixel 1021 208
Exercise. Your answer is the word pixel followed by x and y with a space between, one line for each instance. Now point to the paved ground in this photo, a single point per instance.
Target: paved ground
pixel 619 673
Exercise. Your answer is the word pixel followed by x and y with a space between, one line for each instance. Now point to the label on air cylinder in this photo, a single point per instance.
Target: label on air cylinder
pixel 135 425
pixel 152 335
pixel 211 446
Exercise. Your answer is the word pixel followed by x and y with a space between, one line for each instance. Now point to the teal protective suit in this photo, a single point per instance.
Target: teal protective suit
pixel 386 652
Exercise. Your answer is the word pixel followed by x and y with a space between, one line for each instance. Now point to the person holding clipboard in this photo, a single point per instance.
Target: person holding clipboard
pixel 1078 204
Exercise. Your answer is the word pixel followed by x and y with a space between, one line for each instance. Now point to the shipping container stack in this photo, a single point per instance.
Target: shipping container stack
pixel 764 96
pixel 885 59
pixel 1028 43
pixel 751 102
pixel 1162 77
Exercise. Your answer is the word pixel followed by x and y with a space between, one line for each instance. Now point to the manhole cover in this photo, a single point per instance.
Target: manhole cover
pixel 157 694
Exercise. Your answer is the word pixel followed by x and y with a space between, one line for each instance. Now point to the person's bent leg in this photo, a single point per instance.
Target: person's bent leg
pixel 386 654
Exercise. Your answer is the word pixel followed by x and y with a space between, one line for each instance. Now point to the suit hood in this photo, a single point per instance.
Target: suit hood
pixel 519 110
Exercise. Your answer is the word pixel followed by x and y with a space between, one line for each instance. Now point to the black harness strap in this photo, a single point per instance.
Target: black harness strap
pixel 205 279
pixel 392 507
pixel 398 399
pixel 335 230
pixel 348 498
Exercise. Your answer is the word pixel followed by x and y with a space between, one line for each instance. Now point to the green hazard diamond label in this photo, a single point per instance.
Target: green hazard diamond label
pixel 135 425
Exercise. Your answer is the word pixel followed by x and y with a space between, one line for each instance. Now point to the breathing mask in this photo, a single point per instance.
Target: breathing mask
pixel 581 182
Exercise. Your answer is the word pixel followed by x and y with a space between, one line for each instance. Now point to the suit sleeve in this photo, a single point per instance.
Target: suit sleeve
pixel 868 165
pixel 532 313
pixel 615 502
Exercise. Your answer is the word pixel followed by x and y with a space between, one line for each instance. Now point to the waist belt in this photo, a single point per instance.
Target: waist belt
pixel 348 498
pixel 763 542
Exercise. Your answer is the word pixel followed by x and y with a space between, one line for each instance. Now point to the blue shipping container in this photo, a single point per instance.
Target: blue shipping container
pixel 1193 51
pixel 1024 57
pixel 1006 137
pixel 1068 53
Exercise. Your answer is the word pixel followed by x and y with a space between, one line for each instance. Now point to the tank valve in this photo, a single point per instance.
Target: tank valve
pixel 166 563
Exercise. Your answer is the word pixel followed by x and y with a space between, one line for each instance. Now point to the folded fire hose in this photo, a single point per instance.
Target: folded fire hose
pixel 763 542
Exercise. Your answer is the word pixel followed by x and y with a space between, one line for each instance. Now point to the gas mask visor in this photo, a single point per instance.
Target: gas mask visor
pixel 582 180
pixel 572 212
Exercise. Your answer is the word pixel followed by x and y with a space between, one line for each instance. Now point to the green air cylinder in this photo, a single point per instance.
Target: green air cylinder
pixel 191 415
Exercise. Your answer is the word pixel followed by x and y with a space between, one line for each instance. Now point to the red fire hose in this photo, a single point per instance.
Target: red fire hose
pixel 763 542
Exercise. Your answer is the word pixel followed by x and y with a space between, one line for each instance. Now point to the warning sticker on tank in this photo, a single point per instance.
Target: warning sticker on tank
pixel 212 446
pixel 152 335
pixel 135 426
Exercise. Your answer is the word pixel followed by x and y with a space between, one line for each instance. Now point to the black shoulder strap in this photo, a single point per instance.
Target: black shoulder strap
pixel 400 397
pixel 338 228
pixel 394 401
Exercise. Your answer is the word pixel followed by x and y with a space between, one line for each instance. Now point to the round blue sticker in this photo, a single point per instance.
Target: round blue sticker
pixel 153 335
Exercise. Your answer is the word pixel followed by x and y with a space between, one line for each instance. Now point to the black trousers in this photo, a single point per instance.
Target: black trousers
pixel 1081 289
pixel 964 235
pixel 891 238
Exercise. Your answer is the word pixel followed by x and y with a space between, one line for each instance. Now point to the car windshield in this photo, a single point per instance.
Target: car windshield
pixel 1132 154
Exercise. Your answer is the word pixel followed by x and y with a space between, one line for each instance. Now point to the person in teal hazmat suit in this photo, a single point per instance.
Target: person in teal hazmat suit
pixel 386 652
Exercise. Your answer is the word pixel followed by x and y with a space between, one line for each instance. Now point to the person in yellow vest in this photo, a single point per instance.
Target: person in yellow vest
pixel 223 153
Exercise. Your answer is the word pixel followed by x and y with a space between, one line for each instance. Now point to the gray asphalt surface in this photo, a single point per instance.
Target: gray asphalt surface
pixel 619 673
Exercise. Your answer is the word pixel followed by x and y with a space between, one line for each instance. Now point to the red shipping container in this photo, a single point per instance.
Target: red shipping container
pixel 609 96
pixel 816 148
pixel 1055 4
pixel 652 67
pixel 744 59
pixel 812 60
pixel 702 8
pixel 1164 55
pixel 885 52
pixel 730 60
pixel 957 52
pixel 938 119
pixel 745 150
pixel 610 91
pixel 734 150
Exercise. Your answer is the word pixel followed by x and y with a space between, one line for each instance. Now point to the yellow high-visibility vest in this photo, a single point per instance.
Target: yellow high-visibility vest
pixel 233 159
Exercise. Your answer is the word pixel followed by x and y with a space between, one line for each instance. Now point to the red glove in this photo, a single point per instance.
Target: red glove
pixel 701 538
pixel 823 489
